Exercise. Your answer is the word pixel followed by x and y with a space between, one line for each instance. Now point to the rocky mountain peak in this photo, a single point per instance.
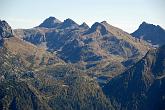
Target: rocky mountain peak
pixel 68 20
pixel 98 27
pixel 69 23
pixel 50 22
pixel 104 22
pixel 146 25
pixel 5 31
pixel 84 25
pixel 153 34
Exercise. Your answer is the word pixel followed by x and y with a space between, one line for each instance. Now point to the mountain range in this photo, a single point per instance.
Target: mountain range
pixel 66 66
pixel 99 49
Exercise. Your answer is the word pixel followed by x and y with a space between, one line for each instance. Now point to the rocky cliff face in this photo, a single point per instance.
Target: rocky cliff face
pixel 5 31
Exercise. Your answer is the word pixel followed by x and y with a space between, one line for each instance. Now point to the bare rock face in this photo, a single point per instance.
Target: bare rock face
pixel 5 31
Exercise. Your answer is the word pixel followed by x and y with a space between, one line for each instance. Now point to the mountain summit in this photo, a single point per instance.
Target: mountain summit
pixel 98 27
pixel 69 23
pixel 5 31
pixel 151 33
pixel 53 22
pixel 84 25
pixel 50 22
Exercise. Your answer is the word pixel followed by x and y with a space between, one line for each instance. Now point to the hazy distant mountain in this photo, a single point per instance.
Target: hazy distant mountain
pixel 151 33
pixel 142 87
pixel 102 48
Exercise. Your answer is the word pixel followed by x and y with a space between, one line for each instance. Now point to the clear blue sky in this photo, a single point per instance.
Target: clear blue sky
pixel 125 14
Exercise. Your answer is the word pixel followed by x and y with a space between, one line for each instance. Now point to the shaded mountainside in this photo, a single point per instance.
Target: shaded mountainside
pixel 142 87
pixel 15 94
pixel 18 96
pixel 151 33
pixel 68 88
pixel 28 81
pixel 87 47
